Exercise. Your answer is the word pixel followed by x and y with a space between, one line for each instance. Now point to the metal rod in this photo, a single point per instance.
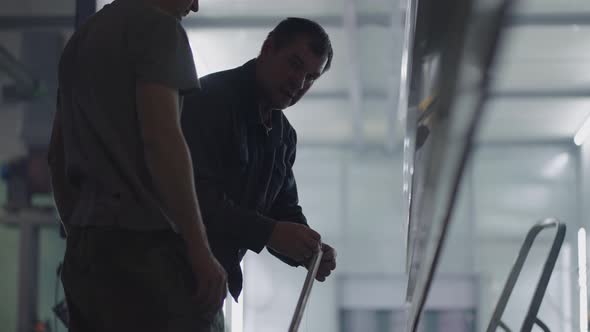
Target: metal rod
pixel 504 326
pixel 542 325
pixel 305 291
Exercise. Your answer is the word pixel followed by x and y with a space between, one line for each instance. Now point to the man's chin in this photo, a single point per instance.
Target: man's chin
pixel 282 106
pixel 283 103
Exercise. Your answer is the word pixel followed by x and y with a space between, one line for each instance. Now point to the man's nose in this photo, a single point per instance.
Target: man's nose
pixel 298 81
pixel 195 6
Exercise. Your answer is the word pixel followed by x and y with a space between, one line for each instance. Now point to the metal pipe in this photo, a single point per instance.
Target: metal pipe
pixel 542 325
pixel 504 326
pixel 305 291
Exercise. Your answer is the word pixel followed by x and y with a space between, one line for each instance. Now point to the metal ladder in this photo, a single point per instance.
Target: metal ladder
pixel 531 318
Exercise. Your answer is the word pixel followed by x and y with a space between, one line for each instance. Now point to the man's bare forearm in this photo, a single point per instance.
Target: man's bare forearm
pixel 169 162
pixel 64 195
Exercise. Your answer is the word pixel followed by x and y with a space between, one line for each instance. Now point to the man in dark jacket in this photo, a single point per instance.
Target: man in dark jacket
pixel 243 149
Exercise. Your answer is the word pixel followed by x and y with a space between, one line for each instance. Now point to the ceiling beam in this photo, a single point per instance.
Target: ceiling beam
pixel 383 95
pixel 541 142
pixel 347 145
pixel 539 93
pixel 29 22
pixel 198 22
pixel 551 19
pixel 372 94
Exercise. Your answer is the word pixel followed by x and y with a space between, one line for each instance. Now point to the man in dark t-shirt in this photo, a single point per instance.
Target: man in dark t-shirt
pixel 137 257
pixel 244 151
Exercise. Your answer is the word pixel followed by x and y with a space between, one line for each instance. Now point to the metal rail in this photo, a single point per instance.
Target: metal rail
pixel 305 291
pixel 531 317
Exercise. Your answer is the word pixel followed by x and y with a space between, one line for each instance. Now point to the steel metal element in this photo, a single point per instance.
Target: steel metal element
pixel 473 33
pixel 531 317
pixel 407 115
pixel 305 291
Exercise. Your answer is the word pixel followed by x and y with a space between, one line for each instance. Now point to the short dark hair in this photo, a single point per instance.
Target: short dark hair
pixel 292 27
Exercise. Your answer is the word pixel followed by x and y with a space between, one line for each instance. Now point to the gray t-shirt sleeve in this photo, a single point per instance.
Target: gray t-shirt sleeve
pixel 161 52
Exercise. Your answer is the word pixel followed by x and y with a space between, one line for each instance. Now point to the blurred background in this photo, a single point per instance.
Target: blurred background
pixel 525 166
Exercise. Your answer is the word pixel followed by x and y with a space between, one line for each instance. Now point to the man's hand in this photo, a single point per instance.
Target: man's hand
pixel 211 282
pixel 295 241
pixel 327 265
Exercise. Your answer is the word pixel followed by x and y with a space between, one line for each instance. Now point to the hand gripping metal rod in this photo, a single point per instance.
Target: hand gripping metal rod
pixel 304 295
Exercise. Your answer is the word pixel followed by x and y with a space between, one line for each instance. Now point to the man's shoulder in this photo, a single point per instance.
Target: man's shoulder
pixel 216 89
pixel 289 132
pixel 222 82
pixel 136 10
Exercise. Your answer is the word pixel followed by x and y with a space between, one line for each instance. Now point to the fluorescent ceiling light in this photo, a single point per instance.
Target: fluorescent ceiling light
pixel 582 133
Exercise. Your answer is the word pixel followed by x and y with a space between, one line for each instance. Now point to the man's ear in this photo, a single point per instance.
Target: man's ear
pixel 267 46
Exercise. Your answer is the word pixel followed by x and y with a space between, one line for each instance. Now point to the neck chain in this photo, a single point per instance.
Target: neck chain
pixel 267 124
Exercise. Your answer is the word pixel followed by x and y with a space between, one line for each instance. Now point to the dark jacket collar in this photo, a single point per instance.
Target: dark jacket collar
pixel 247 74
